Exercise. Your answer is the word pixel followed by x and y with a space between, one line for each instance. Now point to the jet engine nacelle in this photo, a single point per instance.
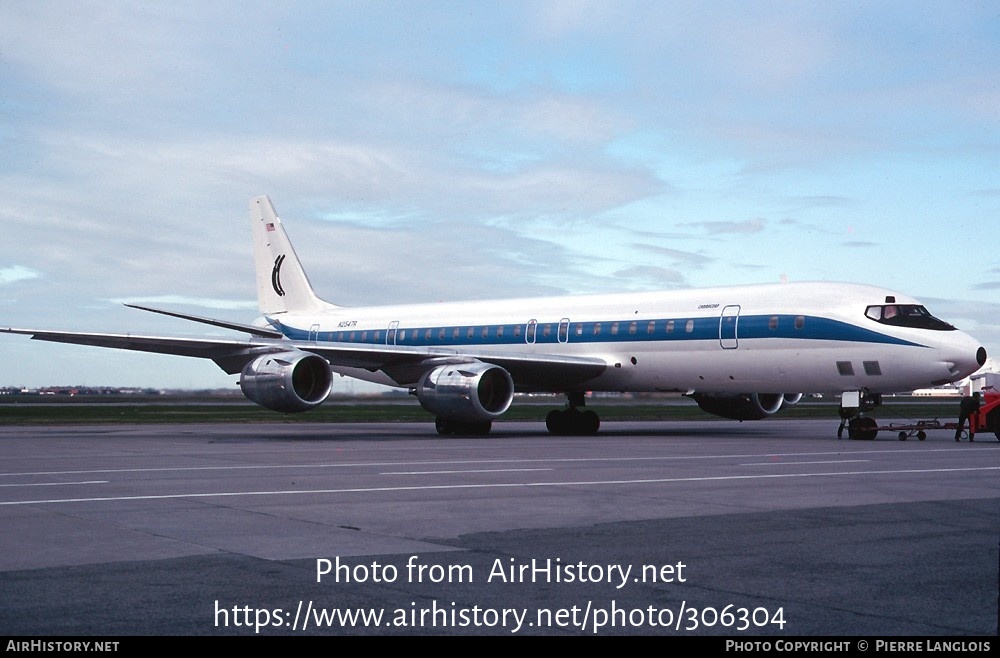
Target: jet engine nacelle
pixel 287 381
pixel 745 406
pixel 466 392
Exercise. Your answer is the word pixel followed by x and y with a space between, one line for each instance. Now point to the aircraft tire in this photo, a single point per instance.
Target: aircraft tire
pixel 556 423
pixel 570 422
pixel 862 429
pixel 993 422
pixel 443 426
pixel 477 429
pixel 590 423
pixel 447 427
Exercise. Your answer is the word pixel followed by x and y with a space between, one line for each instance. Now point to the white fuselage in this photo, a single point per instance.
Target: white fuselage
pixel 804 337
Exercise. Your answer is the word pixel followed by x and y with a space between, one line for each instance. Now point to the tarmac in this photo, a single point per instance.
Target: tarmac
pixel 772 528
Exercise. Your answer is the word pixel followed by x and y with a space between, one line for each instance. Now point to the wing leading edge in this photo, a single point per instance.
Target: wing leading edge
pixel 402 364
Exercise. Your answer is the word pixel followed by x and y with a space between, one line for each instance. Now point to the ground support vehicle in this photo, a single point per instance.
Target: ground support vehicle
pixel 861 427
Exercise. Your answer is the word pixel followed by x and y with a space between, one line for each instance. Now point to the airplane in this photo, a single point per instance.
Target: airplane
pixel 741 352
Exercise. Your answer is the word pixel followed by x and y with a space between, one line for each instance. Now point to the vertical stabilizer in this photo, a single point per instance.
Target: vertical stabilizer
pixel 282 284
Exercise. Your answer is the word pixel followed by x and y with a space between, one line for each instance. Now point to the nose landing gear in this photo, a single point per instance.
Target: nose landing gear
pixel 853 406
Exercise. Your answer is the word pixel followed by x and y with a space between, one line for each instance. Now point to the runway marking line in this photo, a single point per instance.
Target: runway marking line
pixel 490 470
pixel 545 460
pixel 832 461
pixel 232 494
pixel 52 484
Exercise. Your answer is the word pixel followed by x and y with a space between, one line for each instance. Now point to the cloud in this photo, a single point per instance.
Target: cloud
pixel 182 300
pixel 16 273
pixel 655 277
pixel 803 226
pixel 799 203
pixel 446 260
pixel 561 18
pixel 755 225
pixel 688 258
pixel 98 44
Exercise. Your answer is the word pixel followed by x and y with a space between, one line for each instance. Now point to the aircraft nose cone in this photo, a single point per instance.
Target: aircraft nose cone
pixel 962 356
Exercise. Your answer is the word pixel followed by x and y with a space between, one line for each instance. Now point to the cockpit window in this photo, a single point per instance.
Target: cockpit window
pixel 906 315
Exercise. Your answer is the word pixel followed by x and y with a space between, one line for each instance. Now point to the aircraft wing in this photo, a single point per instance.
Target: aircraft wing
pixel 403 364
pixel 231 355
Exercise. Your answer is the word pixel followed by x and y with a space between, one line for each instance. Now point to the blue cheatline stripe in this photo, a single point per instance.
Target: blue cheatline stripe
pixel 750 327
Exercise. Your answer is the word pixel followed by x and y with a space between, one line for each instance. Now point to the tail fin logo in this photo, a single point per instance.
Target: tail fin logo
pixel 276 276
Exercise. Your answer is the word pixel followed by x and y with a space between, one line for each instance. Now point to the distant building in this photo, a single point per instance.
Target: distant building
pixel 950 390
pixel 984 380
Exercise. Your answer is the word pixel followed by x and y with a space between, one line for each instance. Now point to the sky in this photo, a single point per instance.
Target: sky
pixel 426 151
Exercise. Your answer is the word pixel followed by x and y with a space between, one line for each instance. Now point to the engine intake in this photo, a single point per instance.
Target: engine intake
pixel 289 382
pixel 466 392
pixel 745 406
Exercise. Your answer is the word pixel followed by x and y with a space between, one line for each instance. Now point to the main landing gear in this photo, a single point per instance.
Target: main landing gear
pixel 571 421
